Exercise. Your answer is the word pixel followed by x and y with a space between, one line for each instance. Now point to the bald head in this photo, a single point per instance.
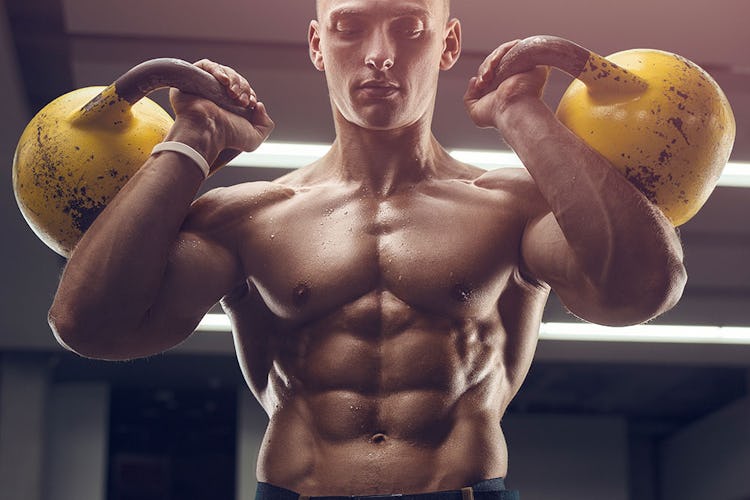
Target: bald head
pixel 320 3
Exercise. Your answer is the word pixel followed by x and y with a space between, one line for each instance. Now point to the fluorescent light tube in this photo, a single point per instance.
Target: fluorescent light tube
pixel 679 334
pixel 295 155
pixel 587 332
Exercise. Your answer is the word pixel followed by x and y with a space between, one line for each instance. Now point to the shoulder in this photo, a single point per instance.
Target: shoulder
pixel 515 185
pixel 229 205
pixel 512 179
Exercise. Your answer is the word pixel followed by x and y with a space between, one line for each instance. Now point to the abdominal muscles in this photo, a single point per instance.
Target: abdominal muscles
pixel 379 398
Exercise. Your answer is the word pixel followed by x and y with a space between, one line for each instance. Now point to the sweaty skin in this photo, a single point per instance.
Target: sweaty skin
pixel 395 333
pixel 386 299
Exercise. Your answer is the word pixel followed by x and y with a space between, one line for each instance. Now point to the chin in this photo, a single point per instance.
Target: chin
pixel 379 127
pixel 382 123
pixel 381 118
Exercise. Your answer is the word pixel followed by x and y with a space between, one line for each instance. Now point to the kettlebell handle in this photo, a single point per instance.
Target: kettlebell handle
pixel 160 73
pixel 167 72
pixel 599 74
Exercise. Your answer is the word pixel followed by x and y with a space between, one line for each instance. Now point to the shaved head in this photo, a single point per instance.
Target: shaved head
pixel 446 4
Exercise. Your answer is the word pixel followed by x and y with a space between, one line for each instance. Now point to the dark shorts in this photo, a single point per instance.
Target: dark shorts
pixel 489 489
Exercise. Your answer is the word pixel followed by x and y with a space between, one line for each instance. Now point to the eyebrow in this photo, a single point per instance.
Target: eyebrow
pixel 407 10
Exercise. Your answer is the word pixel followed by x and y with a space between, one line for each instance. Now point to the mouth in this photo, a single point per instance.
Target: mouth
pixel 378 88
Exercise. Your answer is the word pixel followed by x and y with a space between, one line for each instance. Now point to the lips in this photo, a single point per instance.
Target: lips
pixel 378 88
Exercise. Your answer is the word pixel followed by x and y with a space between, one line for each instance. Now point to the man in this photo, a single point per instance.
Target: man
pixel 386 299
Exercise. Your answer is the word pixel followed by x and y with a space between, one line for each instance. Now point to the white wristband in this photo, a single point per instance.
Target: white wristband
pixel 182 148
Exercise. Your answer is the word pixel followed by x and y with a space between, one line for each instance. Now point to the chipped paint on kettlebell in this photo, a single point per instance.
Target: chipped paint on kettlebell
pixel 671 140
pixel 72 160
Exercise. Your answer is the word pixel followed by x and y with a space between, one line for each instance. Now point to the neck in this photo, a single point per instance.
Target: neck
pixel 382 161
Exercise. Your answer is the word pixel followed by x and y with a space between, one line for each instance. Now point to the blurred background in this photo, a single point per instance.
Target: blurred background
pixel 595 419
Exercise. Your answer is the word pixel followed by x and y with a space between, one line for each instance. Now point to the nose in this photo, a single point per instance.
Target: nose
pixel 379 53
pixel 379 64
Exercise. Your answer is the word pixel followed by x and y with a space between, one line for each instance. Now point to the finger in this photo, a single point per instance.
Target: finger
pixel 489 67
pixel 473 91
pixel 237 86
pixel 262 120
pixel 486 64
pixel 494 56
pixel 240 89
pixel 505 48
pixel 215 69
pixel 230 79
pixel 246 94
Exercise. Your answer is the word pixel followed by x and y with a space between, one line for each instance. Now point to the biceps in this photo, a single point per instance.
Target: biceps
pixel 545 253
pixel 548 257
pixel 199 272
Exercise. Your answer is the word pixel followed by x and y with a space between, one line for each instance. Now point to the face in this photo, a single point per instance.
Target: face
pixel 382 58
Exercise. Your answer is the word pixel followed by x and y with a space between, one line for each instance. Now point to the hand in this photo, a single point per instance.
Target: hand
pixel 487 97
pixel 213 130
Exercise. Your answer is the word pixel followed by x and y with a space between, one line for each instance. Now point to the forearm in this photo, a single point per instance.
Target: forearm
pixel 116 270
pixel 617 237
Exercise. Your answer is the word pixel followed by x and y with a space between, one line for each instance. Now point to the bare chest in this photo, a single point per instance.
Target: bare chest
pixel 439 252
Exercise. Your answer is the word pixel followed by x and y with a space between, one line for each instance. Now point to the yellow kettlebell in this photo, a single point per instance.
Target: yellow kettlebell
pixel 79 150
pixel 657 117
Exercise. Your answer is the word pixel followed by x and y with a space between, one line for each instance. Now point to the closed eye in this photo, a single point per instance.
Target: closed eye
pixel 347 28
pixel 347 23
pixel 408 27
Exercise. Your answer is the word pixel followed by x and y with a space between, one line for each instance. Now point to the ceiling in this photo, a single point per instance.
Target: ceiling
pixel 53 46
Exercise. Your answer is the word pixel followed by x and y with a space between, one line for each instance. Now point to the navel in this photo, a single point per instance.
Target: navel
pixel 378 438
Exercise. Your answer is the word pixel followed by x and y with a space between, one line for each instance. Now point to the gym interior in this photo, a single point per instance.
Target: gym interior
pixel 600 416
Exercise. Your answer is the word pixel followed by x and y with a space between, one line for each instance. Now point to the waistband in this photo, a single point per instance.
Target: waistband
pixel 489 489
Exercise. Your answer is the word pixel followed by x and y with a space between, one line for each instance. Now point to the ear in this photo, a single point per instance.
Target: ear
pixel 452 44
pixel 313 39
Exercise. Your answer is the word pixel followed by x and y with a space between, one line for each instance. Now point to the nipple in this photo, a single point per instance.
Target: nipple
pixel 301 294
pixel 461 293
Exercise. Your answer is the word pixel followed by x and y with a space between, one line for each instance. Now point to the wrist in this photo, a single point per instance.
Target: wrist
pixel 518 109
pixel 198 132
